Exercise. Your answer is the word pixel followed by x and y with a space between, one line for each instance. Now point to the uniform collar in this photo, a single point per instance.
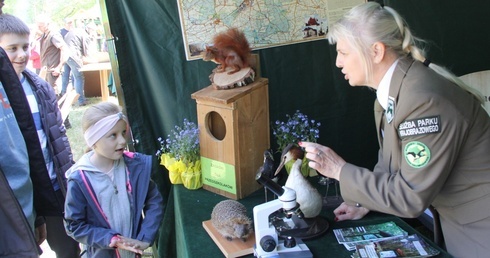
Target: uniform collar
pixel 384 86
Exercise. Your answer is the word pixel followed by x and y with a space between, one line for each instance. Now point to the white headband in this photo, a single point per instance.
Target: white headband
pixel 99 129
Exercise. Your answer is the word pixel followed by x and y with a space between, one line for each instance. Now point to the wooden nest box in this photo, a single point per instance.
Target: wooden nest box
pixel 234 132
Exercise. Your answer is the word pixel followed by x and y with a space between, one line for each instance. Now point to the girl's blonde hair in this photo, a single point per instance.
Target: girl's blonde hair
pixel 369 23
pixel 98 111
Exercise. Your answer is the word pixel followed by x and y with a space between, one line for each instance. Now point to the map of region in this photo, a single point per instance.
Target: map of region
pixel 265 23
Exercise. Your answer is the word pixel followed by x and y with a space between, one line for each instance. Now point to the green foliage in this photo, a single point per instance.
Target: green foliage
pixel 28 10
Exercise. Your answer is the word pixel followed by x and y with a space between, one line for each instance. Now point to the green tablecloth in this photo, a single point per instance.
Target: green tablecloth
pixel 192 207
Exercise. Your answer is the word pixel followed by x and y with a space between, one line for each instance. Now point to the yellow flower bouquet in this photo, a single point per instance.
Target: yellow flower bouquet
pixel 179 153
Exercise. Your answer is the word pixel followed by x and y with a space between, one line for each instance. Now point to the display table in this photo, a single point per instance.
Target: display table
pixel 96 78
pixel 192 207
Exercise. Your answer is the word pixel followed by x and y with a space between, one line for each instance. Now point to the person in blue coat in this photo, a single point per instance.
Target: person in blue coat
pixel 109 189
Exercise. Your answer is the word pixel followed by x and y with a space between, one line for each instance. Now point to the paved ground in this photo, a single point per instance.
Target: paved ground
pixel 47 253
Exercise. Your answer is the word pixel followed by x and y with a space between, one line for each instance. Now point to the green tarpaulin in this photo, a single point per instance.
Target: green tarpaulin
pixel 157 81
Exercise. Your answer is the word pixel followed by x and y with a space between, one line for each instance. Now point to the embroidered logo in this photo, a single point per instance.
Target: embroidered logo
pixel 416 154
pixel 420 126
pixel 390 110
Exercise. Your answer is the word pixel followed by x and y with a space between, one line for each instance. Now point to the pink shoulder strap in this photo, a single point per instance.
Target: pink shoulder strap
pixel 92 195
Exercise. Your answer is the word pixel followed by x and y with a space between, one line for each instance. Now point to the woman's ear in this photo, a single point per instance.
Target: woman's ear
pixel 379 51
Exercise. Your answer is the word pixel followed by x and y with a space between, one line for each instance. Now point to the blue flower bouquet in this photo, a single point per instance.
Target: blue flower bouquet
pixel 180 154
pixel 296 128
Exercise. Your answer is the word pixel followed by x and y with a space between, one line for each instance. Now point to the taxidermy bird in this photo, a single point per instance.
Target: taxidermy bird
pixel 308 197
pixel 268 168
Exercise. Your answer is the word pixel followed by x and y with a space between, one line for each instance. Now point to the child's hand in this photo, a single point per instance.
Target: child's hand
pixel 114 240
pixel 132 245
pixel 121 242
pixel 135 243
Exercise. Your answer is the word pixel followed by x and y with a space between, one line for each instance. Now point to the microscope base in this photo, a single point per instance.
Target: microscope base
pixel 298 251
pixel 299 228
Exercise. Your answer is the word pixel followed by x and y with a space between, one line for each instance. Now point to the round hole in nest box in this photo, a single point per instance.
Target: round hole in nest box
pixel 215 125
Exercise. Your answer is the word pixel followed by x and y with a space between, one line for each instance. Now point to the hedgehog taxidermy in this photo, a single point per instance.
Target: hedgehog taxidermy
pixel 230 219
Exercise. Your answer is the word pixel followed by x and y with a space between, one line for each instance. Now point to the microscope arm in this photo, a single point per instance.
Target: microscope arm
pixel 265 234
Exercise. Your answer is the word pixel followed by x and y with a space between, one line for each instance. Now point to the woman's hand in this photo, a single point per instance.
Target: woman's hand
pixel 323 159
pixel 349 212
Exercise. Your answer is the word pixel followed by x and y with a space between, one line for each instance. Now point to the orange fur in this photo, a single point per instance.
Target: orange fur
pixel 230 49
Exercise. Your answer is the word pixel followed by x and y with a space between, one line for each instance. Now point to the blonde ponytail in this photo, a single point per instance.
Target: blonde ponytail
pixel 368 23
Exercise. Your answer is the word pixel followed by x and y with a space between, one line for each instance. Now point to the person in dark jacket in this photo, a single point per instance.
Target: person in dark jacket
pixel 16 201
pixel 53 50
pixel 51 153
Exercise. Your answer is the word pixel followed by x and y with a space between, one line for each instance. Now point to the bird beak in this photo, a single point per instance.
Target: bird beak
pixel 281 165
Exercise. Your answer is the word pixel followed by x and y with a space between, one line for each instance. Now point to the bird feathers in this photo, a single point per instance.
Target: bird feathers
pixel 268 167
pixel 305 169
pixel 307 196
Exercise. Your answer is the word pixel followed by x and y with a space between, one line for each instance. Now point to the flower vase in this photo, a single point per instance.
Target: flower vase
pixel 174 168
pixel 191 177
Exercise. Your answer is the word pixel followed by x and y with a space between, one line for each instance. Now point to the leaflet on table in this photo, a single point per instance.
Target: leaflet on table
pixel 411 246
pixel 368 232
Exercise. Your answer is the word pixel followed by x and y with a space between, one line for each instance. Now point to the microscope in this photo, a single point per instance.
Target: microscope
pixel 267 242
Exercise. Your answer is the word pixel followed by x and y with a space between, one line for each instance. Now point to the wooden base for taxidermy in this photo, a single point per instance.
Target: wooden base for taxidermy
pixel 234 248
pixel 224 81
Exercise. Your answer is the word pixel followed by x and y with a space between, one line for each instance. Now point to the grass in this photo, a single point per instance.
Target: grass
pixel 75 133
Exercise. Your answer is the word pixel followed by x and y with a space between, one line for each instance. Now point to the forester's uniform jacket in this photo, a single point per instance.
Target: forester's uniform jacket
pixel 435 150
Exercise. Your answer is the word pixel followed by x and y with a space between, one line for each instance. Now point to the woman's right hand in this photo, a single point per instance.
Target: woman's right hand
pixel 349 212
pixel 323 159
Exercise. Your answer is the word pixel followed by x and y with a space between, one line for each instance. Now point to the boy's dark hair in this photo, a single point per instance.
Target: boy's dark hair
pixel 10 24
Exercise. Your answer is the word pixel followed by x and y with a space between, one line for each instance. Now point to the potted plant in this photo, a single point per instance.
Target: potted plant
pixel 296 128
pixel 180 154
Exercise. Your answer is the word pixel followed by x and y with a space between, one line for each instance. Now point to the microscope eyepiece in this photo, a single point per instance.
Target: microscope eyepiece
pixel 269 184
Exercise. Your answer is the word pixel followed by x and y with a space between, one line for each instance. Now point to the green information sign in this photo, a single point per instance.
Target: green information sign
pixel 218 175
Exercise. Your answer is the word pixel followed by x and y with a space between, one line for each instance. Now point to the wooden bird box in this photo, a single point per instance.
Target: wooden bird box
pixel 234 132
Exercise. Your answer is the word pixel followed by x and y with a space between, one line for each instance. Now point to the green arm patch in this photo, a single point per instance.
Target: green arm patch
pixel 416 154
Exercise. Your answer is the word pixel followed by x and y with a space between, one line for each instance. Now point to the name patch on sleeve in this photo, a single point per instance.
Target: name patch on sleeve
pixel 420 126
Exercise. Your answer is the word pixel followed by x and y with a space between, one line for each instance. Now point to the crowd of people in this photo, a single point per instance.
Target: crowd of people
pixel 42 184
pixel 63 53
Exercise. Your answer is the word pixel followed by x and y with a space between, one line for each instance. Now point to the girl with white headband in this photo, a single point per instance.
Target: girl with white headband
pixel 108 189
